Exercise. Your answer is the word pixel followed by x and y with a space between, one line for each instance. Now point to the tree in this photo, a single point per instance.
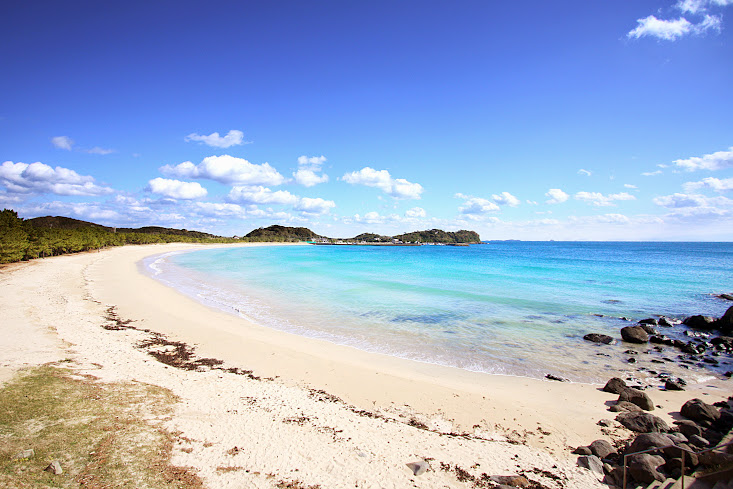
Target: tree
pixel 13 238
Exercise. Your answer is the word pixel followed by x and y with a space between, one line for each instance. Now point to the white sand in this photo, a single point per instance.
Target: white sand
pixel 54 308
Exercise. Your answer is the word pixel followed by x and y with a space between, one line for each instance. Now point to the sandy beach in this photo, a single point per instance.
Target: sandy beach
pixel 310 412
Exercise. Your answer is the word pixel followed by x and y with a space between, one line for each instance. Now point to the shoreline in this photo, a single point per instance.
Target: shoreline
pixel 545 418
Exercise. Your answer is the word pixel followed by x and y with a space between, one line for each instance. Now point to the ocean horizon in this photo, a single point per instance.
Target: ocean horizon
pixel 506 307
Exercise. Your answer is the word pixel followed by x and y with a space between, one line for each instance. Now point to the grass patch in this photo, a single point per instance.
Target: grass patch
pixel 103 434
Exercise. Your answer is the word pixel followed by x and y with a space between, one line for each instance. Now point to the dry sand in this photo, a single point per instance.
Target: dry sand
pixel 312 413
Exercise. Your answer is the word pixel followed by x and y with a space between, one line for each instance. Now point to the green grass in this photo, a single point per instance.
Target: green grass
pixel 103 434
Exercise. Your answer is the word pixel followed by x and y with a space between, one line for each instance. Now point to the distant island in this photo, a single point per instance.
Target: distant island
pixel 26 239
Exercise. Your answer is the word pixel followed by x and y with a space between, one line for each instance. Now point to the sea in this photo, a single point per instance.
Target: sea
pixel 510 308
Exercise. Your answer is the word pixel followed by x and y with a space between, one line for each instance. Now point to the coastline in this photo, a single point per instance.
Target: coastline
pixel 74 292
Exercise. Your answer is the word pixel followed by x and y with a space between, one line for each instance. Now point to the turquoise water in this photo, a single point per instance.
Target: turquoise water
pixel 516 308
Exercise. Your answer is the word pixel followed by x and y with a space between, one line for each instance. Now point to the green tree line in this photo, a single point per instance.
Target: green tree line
pixel 20 240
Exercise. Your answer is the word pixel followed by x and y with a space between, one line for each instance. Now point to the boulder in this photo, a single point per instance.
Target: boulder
pixel 643 468
pixel 624 406
pixel 697 410
pixel 642 422
pixel 634 334
pixel 592 463
pixel 699 442
pixel 705 323
pixel 602 449
pixel 673 385
pixel 649 328
pixel 637 397
pixel 646 441
pixel 663 321
pixel 598 338
pixel 615 385
pixel 728 297
pixel 651 321
pixel 725 323
pixel 583 451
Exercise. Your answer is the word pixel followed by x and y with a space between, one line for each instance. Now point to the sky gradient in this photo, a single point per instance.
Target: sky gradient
pixel 519 120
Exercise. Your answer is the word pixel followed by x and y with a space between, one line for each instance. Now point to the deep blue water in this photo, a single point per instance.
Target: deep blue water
pixel 517 308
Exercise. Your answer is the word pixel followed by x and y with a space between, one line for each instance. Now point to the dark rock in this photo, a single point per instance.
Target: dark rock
pixel 727 297
pixel 642 422
pixel 697 410
pixel 582 451
pixel 643 468
pixel 606 423
pixel 663 321
pixel 615 386
pixel 699 442
pixel 651 321
pixel 705 323
pixel 660 340
pixel 555 377
pixel 677 437
pixel 598 338
pixel 625 406
pixel 672 385
pixel 634 334
pixel 725 323
pixel 615 478
pixel 602 449
pixel 592 463
pixel 646 441
pixel 511 480
pixel 692 348
pixel 631 360
pixel 637 397
pixel 690 455
pixel 649 329
pixel 688 428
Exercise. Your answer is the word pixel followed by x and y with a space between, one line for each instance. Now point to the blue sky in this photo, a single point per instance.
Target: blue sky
pixel 528 120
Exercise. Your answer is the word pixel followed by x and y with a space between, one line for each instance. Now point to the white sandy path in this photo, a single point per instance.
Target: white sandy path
pixel 279 427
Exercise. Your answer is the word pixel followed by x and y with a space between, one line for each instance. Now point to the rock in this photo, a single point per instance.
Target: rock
pixel 511 480
pixel 55 468
pixel 605 423
pixel 725 323
pixel 698 441
pixel 555 377
pixel 723 342
pixel 642 422
pixel 592 463
pixel 677 437
pixel 602 449
pixel 705 323
pixel 646 441
pixel 728 297
pixel 697 410
pixel 598 338
pixel 615 385
pixel 419 467
pixel 643 468
pixel 23 454
pixel 688 428
pixel 661 340
pixel 624 406
pixel 690 455
pixel 663 321
pixel 651 321
pixel 673 385
pixel 634 334
pixel 649 329
pixel 582 451
pixel 637 397
pixel 615 478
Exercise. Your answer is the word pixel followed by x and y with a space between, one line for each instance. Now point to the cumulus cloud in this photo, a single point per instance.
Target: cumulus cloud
pixel 63 142
pixel 415 213
pixel 505 198
pixel 556 196
pixel 221 210
pixel 711 183
pixel 678 200
pixel 370 218
pixel 314 206
pixel 309 169
pixel 474 207
pixel 226 169
pixel 232 138
pixel 36 178
pixel 176 189
pixel 399 188
pixel 714 161
pixel 261 195
pixel 671 30
pixel 598 199
pixel 584 172
pixel 698 6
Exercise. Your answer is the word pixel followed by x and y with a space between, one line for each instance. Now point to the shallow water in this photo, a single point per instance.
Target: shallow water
pixel 516 308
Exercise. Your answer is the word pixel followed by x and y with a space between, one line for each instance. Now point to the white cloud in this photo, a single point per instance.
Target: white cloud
pixel 652 173
pixel 505 198
pixel 313 163
pixel 37 178
pixel 598 199
pixel 308 171
pixel 370 218
pixel 476 206
pixel 698 6
pixel 221 210
pixel 398 188
pixel 99 151
pixel 415 212
pixel 678 200
pixel 261 195
pixel 63 142
pixel 584 172
pixel 232 138
pixel 556 196
pixel 711 183
pixel 176 189
pixel 715 161
pixel 314 206
pixel 628 185
pixel 671 30
pixel 226 169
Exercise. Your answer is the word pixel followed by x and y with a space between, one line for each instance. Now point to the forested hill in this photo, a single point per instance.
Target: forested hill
pixel 440 236
pixel 281 233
